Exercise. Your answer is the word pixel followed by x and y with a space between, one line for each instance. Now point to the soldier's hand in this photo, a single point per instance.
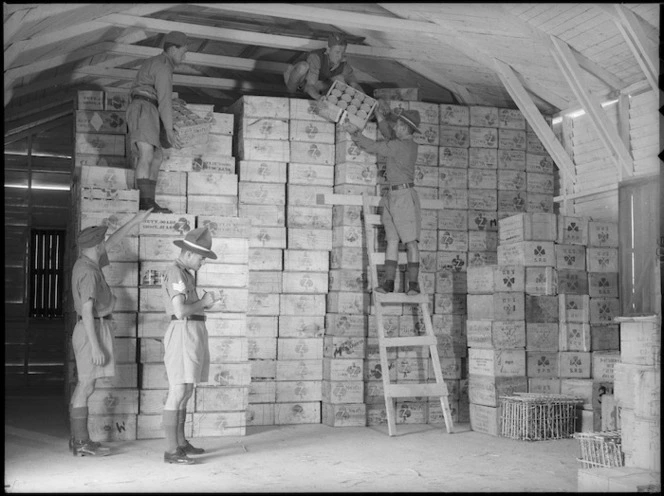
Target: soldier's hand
pixel 98 357
pixel 208 299
pixel 349 127
pixel 174 139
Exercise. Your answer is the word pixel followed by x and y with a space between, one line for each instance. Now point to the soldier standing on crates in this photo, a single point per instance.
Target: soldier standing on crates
pixel 186 348
pixel 150 117
pixel 92 339
pixel 401 215
pixel 313 73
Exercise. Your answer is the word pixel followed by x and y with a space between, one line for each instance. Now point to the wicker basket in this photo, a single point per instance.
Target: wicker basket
pixel 600 449
pixel 538 417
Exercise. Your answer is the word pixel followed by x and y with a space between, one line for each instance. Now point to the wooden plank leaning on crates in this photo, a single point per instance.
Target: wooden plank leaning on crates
pixel 150 116
pixel 313 73
pixel 92 339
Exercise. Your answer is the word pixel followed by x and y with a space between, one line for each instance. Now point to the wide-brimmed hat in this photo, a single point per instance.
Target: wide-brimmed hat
pixel 412 118
pixel 177 38
pixel 334 39
pixel 91 236
pixel 199 241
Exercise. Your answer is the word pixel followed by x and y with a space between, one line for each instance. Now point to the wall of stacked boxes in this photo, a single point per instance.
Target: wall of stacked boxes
pixel 294 339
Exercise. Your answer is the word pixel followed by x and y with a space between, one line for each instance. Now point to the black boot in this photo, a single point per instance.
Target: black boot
pixel 386 287
pixel 413 288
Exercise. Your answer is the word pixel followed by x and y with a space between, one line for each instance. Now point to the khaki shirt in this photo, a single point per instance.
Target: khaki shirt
pixel 155 80
pixel 88 283
pixel 178 281
pixel 314 61
pixel 401 154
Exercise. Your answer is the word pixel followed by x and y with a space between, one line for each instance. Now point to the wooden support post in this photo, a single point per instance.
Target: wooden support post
pixel 623 120
pixel 608 135
pixel 535 119
pixel 641 46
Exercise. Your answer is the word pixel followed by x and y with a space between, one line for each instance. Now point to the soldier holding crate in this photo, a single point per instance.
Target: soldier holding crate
pixel 186 348
pixel 401 215
pixel 92 339
pixel 313 73
pixel 150 116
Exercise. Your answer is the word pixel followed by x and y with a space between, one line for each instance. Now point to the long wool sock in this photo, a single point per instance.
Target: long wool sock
pixel 144 189
pixel 170 423
pixel 390 270
pixel 79 423
pixel 152 188
pixel 182 415
pixel 413 271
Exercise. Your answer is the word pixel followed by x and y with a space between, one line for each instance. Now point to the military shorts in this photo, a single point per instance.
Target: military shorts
pixel 144 124
pixel 85 369
pixel 186 352
pixel 401 215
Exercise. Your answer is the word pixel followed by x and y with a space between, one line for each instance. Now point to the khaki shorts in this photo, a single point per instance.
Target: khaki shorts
pixel 401 215
pixel 186 352
pixel 85 369
pixel 144 124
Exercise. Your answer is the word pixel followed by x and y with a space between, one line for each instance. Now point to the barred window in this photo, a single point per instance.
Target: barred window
pixel 46 273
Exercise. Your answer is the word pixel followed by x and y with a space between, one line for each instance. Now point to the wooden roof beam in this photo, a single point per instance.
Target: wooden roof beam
pixel 536 121
pixel 39 126
pixel 260 39
pixel 607 134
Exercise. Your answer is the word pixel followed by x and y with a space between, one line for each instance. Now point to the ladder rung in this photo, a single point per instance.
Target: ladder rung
pixel 400 298
pixel 373 220
pixel 410 390
pixel 408 341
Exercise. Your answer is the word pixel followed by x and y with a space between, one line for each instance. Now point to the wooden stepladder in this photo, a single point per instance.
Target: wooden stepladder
pixel 392 391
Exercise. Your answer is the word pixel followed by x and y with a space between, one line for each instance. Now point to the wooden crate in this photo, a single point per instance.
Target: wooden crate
pixel 344 415
pixel 310 174
pixel 449 281
pixel 263 215
pixel 261 106
pixel 512 160
pixel 529 253
pixel 222 123
pixel 217 424
pixel 112 427
pixel 262 171
pixel 486 390
pixel 542 336
pixel 573 308
pixel 604 310
pixel 260 414
pixel 299 370
pixel 267 237
pixel 111 402
pixel 90 100
pixel 483 137
pixel 511 180
pixel 307 217
pixel 489 334
pixel 482 158
pixel 452 156
pixel 603 234
pixel 575 336
pixel 496 363
pixel 306 195
pixel 482 220
pixel 575 364
pixel 260 149
pixel 484 116
pixel 312 131
pixel 485 419
pixel 297 413
pixel 305 109
pixel 544 385
pixel 263 304
pixel 343 392
pixel 542 309
pixel 572 230
pixel 528 227
pixel 262 391
pixel 542 363
pixel 299 348
pixel 572 281
pixel 491 279
pixel 262 326
pixel 213 399
pixel 602 259
pixel 511 119
pixel 262 128
pixel 339 324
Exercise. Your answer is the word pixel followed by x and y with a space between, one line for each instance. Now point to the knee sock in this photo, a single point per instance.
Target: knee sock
pixel 170 423
pixel 79 423
pixel 144 188
pixel 413 271
pixel 390 270
pixel 182 415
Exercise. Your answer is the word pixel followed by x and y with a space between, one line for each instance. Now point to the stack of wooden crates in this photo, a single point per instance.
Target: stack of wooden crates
pixel 540 320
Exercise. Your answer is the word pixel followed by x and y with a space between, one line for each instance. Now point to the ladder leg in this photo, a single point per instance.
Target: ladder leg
pixel 390 408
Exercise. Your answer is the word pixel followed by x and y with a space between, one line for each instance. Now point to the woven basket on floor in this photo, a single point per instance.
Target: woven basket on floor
pixel 538 417
pixel 600 449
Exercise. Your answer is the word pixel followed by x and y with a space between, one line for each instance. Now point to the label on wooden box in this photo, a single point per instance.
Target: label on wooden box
pixel 486 390
pixel 496 363
pixel 449 240
pixel 603 234
pixel 602 259
pixel 345 325
pixel 312 153
pixel 572 230
pixel 448 281
pixel 572 281
pixel 226 349
pixel 511 201
pixel 482 179
pixel 110 122
pixel 539 183
pixel 603 284
pixel 482 258
pixel 116 100
pixel 483 199
pixel 542 309
pixel 529 253
pixel 305 110
pixel 90 100
pixel 453 219
pixel 224 227
pixel 262 326
pixel 485 419
pixel 426 176
pixel 262 171
pixel 100 144
pixel 113 402
pixel 483 137
pixel 310 174
pixel 312 131
pixel 344 415
pixel 309 217
pixel 453 157
pixel 428 136
pixel 453 136
pixel 305 282
pixel 263 304
pixel 210 205
pixel 539 203
pixel 512 160
pixel 230 374
pixel 356 173
pixel 604 310
pixel 306 260
pixel 575 364
pixel 511 180
pixel 210 399
pixel 603 363
pixel 496 334
pixel 427 155
pixel 213 424
pixel 267 237
pixel 573 308
pixel 261 149
pixel 542 363
pixel 262 128
pixel 570 257
pixel 288 391
pixel 343 369
pixel 450 178
pixel 479 220
pixel 542 164
pixel 265 259
pixel 542 336
pixel 295 326
pixel 484 116
pixel 299 370
pixel 299 348
pixel 454 260
pixel 456 115
pixel 297 413
pixel 264 215
pixel 482 158
pixel 575 336
pixel 309 239
pixel 511 139
pixel 220 161
pixel 111 428
pixel 544 385
pixel 511 119
pixel 347 280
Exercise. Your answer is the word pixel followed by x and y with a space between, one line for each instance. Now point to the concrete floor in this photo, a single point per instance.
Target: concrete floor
pixel 293 458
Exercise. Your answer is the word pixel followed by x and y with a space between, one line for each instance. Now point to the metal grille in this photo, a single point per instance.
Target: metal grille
pixel 46 273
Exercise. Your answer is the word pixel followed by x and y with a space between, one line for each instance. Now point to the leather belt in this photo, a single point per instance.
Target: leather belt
pixel 105 317
pixel 200 318
pixel 146 98
pixel 401 186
